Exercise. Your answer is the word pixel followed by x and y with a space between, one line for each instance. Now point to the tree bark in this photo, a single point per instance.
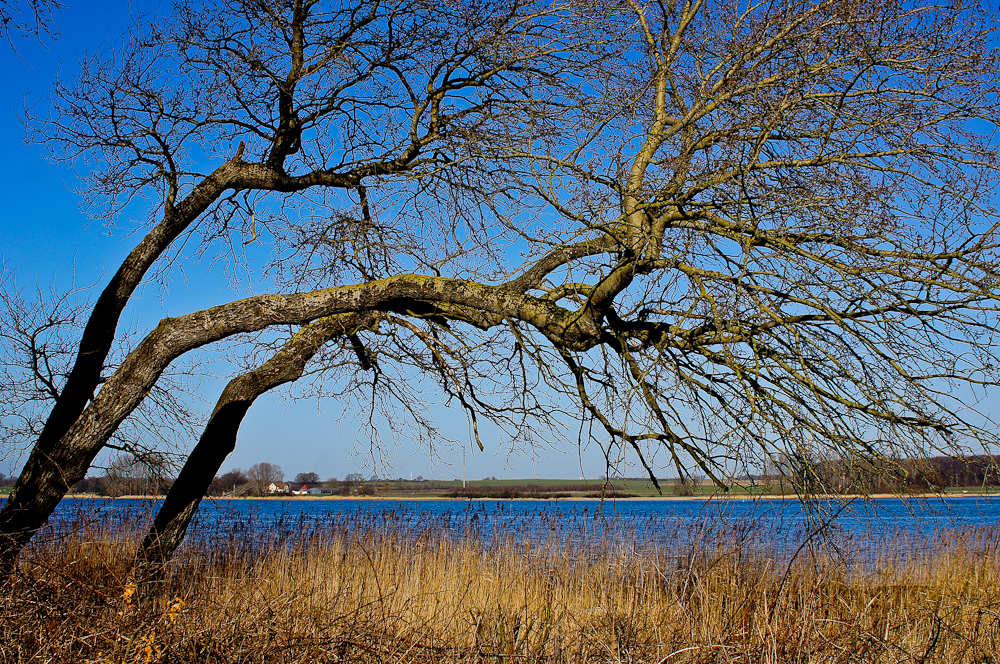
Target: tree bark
pixel 46 477
pixel 218 439
pixel 52 467
pixel 99 333
pixel 75 430
pixel 36 488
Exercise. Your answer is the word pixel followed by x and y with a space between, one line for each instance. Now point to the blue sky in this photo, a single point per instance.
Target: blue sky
pixel 46 240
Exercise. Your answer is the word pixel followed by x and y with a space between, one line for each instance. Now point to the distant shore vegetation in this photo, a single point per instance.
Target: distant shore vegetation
pixel 972 474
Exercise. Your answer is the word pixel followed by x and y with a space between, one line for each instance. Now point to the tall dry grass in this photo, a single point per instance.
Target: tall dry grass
pixel 372 590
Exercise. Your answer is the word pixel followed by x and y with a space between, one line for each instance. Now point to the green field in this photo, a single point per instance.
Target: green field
pixel 634 487
pixel 538 487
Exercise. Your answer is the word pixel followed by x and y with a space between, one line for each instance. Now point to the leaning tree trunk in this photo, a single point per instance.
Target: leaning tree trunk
pixel 46 477
pixel 219 437
pixel 59 459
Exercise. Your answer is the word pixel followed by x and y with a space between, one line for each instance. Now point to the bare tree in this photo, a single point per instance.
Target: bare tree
pixel 263 474
pixel 722 231
pixel 307 478
pixel 284 99
pixel 39 333
pixel 231 482
pixel 219 437
pixel 146 475
pixel 27 17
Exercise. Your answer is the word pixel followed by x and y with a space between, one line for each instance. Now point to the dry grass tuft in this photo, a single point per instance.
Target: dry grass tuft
pixel 368 592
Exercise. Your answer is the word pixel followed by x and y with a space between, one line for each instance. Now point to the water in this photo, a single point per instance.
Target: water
pixel 915 515
pixel 866 525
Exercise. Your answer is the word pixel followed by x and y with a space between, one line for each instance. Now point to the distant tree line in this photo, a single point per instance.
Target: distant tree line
pixel 519 491
pixel 981 470
pixel 148 476
pixel 810 475
pixel 258 478
pixel 130 475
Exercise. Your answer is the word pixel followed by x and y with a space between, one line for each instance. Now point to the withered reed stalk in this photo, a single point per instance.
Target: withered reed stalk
pixel 370 589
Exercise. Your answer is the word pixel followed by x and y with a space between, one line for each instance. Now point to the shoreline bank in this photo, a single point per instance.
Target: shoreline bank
pixel 718 496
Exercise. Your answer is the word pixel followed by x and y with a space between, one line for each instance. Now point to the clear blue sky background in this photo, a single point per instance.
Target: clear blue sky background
pixel 45 239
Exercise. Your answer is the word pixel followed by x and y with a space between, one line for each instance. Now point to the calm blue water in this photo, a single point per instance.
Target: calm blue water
pixel 917 514
pixel 785 523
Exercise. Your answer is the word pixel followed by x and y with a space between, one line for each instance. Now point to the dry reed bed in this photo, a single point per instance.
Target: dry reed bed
pixel 363 592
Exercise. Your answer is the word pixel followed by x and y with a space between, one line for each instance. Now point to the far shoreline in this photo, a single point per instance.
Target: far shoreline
pixel 703 498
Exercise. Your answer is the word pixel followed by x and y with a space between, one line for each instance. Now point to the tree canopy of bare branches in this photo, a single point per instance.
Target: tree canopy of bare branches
pixel 27 17
pixel 719 231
